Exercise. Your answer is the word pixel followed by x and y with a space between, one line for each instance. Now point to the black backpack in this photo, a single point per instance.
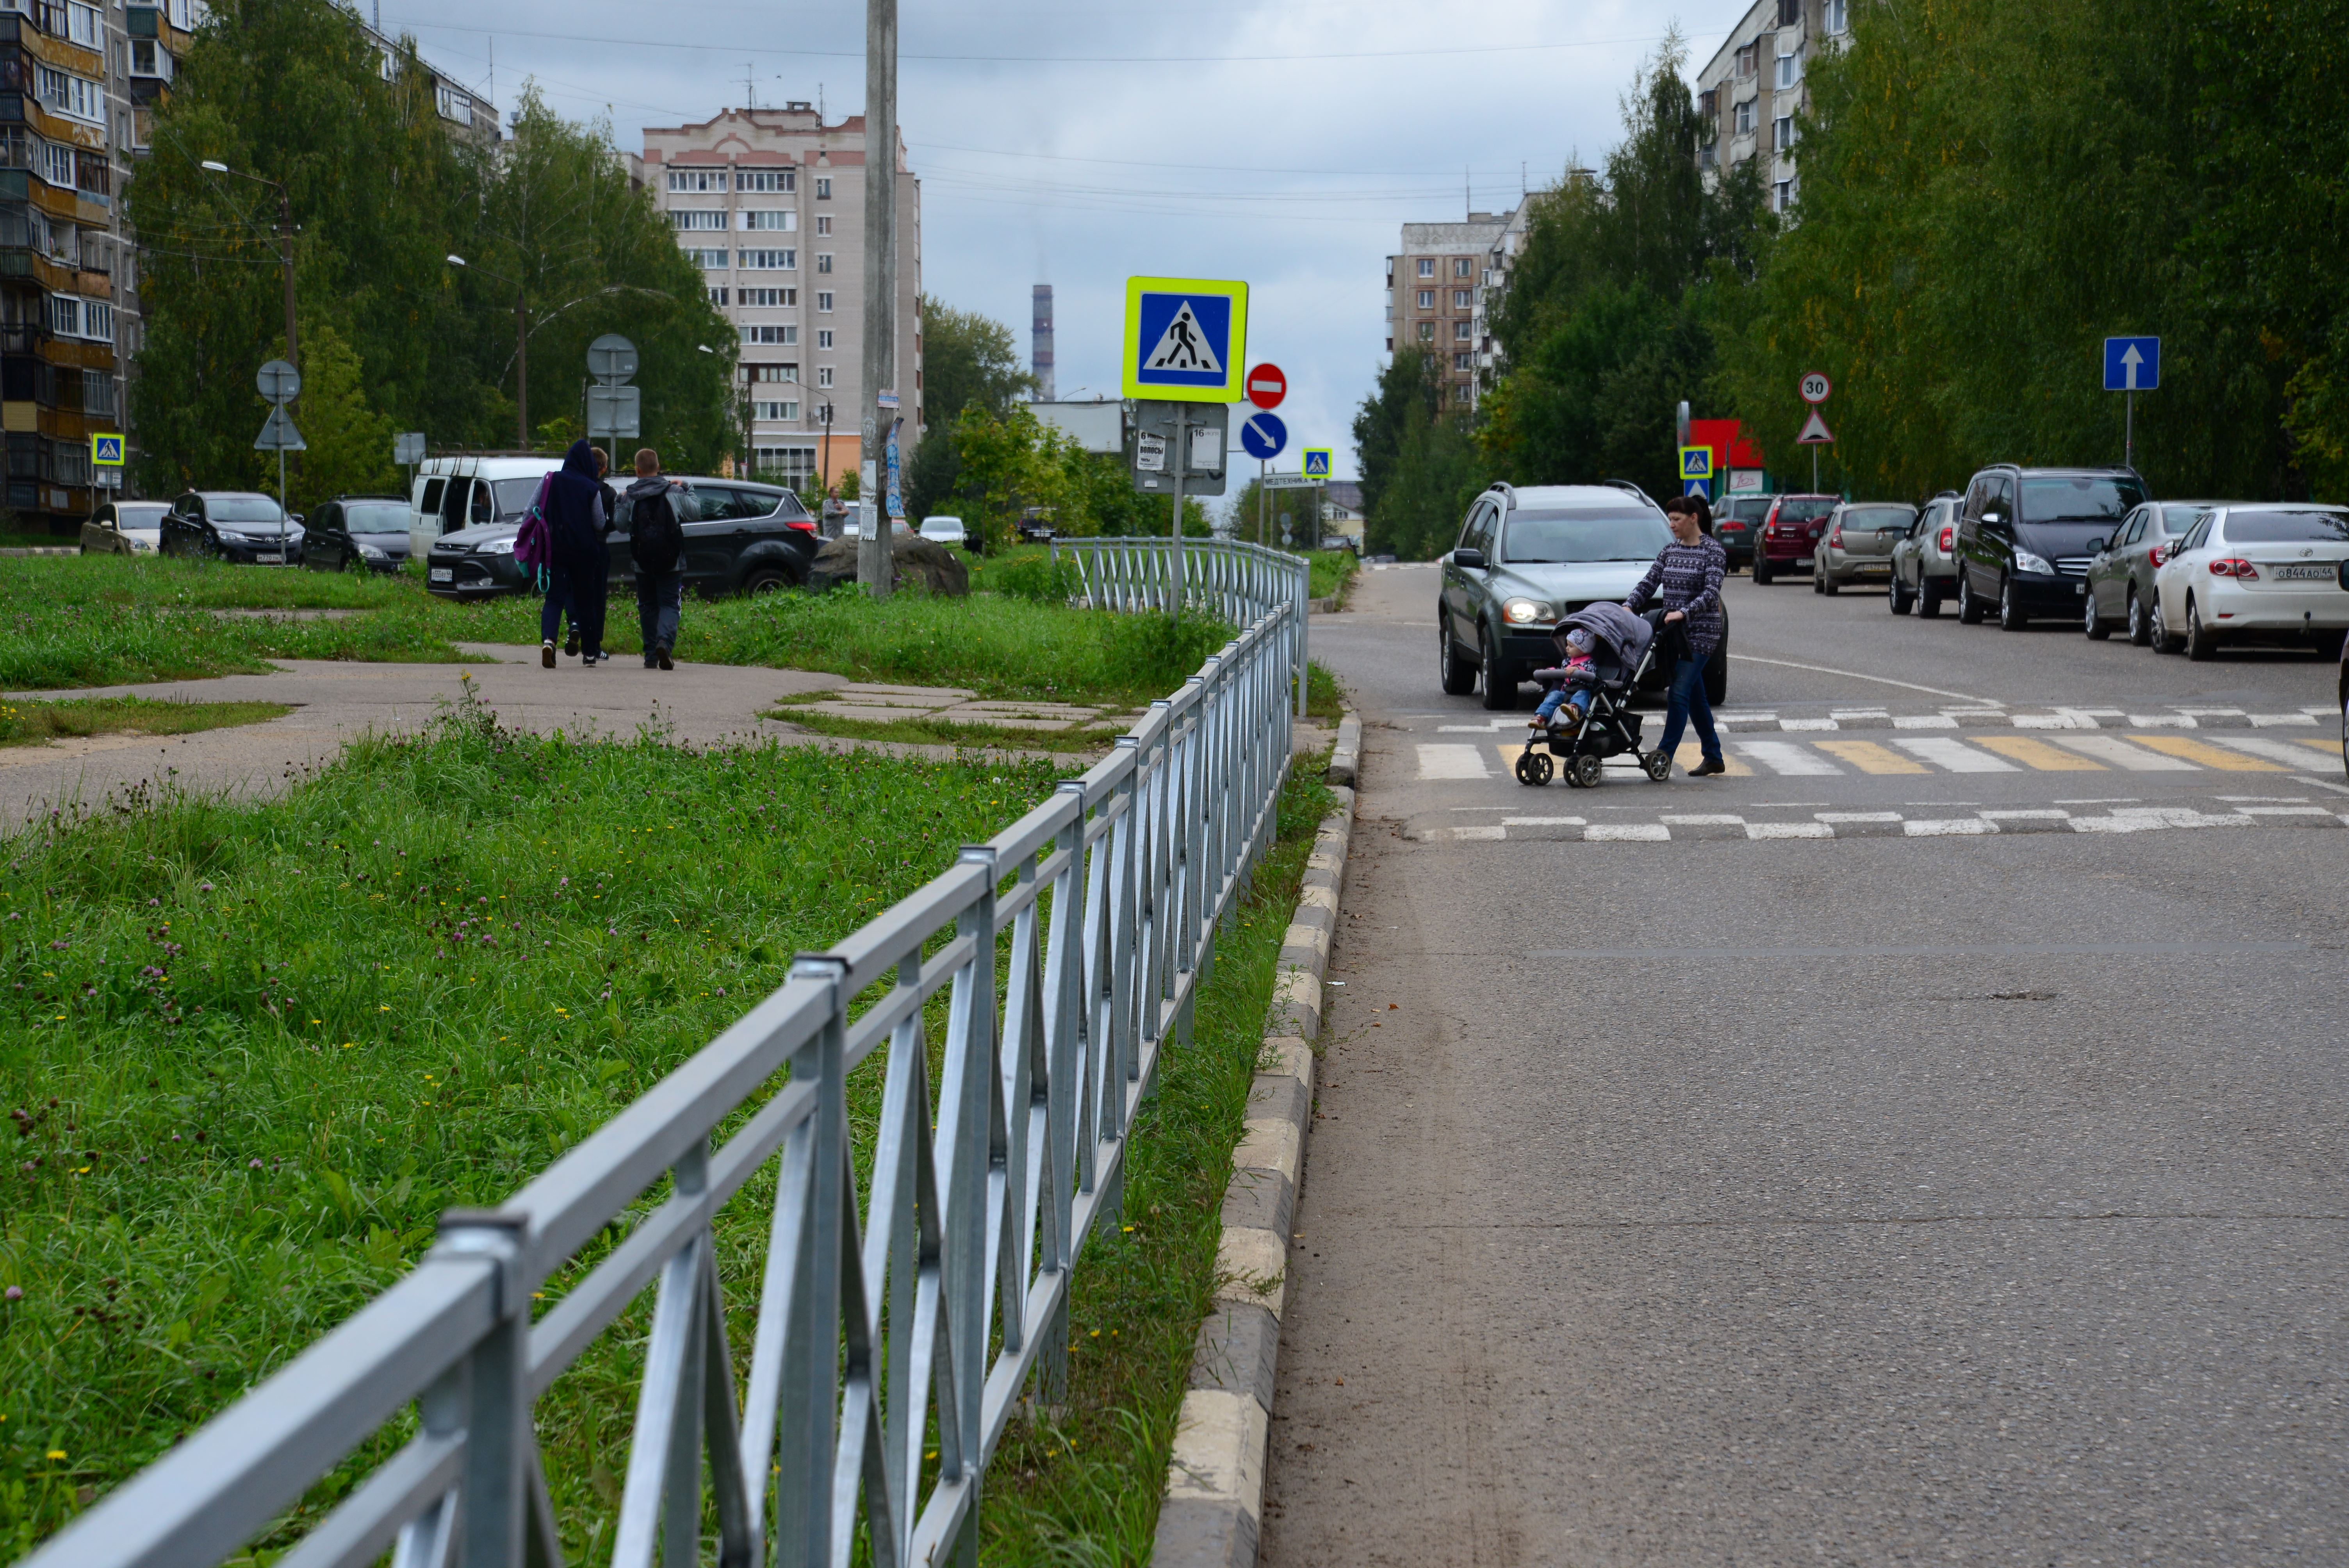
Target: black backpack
pixel 654 537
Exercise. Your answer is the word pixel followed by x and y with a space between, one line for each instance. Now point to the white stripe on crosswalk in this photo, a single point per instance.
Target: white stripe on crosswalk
pixel 1956 756
pixel 2112 748
pixel 1786 757
pixel 1440 761
pixel 2282 751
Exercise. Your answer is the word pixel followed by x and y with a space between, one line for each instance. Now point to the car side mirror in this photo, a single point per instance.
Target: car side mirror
pixel 2096 546
pixel 1473 560
pixel 1991 520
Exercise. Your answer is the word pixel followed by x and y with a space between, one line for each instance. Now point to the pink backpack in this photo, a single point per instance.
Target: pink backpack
pixel 534 544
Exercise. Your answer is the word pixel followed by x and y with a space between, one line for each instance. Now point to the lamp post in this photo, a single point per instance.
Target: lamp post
pixel 522 352
pixel 284 244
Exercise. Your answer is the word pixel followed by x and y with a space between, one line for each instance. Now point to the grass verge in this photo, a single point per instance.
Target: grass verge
pixel 1085 741
pixel 38 723
pixel 1084 1488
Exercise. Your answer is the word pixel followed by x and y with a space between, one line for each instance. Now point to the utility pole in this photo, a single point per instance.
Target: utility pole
pixel 521 372
pixel 285 261
pixel 874 565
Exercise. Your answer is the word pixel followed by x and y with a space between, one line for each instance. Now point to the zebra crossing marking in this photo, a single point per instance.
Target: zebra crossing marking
pixel 2038 754
pixel 1957 757
pixel 1870 757
pixel 2112 748
pixel 1789 760
pixel 2122 817
pixel 2048 752
pixel 1437 760
pixel 2208 756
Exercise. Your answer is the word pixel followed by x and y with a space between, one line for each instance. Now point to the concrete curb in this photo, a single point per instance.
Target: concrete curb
pixel 1215 1477
pixel 1346 756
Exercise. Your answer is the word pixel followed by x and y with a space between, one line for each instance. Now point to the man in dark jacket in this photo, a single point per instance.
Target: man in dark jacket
pixel 576 522
pixel 654 513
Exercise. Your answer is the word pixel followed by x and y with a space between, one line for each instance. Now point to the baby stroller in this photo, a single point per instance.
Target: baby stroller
pixel 1624 647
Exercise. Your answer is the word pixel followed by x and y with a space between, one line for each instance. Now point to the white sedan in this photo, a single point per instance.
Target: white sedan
pixel 2264 573
pixel 947 531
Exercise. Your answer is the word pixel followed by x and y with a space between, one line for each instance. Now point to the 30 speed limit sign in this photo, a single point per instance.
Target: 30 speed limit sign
pixel 1815 388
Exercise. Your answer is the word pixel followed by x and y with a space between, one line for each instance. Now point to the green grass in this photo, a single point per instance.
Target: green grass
pixel 1084 1489
pixel 37 723
pixel 1082 742
pixel 1332 570
pixel 39 540
pixel 250 1052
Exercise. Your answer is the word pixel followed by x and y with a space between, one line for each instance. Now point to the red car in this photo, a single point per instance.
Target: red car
pixel 1790 533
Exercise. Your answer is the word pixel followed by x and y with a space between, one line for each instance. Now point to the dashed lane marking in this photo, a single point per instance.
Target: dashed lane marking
pixel 2037 754
pixel 2208 756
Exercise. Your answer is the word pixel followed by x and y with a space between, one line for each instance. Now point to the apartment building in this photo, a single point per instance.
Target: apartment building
pixel 1434 285
pixel 1750 92
pixel 770 204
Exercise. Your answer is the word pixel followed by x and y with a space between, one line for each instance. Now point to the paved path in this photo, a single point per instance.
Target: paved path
pixel 1699 1195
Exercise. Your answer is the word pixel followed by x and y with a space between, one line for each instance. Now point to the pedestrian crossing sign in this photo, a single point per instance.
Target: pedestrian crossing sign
pixel 1185 339
pixel 106 451
pixel 1317 462
pixel 1696 462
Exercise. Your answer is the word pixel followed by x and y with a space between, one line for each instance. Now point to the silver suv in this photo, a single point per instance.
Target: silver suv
pixel 1924 569
pixel 1530 557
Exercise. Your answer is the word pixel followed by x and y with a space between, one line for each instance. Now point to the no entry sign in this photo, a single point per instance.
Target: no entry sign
pixel 1267 385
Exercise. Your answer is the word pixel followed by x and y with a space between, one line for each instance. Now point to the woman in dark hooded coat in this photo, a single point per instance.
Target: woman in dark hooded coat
pixel 575 524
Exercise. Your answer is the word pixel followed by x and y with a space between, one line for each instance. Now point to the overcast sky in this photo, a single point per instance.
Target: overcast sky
pixel 1077 144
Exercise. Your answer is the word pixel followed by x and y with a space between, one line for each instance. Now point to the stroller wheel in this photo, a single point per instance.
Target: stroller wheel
pixel 1657 766
pixel 1584 768
pixel 1534 767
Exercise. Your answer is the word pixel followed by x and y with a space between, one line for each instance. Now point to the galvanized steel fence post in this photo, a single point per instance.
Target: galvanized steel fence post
pixel 920 1318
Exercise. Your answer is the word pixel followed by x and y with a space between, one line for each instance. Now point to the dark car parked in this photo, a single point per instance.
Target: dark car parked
pixel 1790 532
pixel 2120 576
pixel 740 537
pixel 1738 524
pixel 244 527
pixel 2025 537
pixel 357 533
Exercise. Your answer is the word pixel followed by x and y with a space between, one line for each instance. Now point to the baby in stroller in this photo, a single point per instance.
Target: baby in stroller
pixel 1608 649
pixel 1577 682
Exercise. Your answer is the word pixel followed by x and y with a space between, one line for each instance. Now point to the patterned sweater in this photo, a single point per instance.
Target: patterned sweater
pixel 1689 577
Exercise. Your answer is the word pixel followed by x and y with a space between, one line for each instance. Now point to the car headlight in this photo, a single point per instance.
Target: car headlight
pixel 496 547
pixel 1525 611
pixel 372 553
pixel 2026 562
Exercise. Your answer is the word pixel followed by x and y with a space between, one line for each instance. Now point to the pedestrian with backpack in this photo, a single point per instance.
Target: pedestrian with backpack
pixel 656 539
pixel 577 560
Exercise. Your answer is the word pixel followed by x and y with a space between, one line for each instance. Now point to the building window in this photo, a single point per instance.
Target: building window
pixel 774 413
pixel 452 104
pixel 786 371
pixel 74 96
pixel 1781 133
pixel 824 300
pixel 824 223
pixel 769 260
pixel 82 26
pixel 794 466
pixel 1464 267
pixel 1782 196
pixel 1790 66
pixel 697 179
pixel 823 375
pixel 823 337
pixel 85 318
pixel 1838 17
pixel 1427 299
pixel 183 14
pixel 1790 13
pixel 824 261
pixel 1460 299
pixel 823 187
pixel 1464 362
pixel 766 179
pixel 708 261
pixel 58 165
pixel 1749 59
pixel 1744 115
pixel 692 218
pixel 771 220
pixel 1462 331
pixel 766 298
pixel 149 58
pixel 1427 266
pixel 1427 332
pixel 97 392
pixel 775 335
pixel 718 297
pixel 1708 103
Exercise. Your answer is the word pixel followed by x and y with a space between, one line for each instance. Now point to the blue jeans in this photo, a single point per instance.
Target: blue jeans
pixel 1557 697
pixel 1689 701
pixel 576 583
pixel 660 599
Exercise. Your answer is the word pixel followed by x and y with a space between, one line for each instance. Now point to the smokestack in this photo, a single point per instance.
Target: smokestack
pixel 1040 359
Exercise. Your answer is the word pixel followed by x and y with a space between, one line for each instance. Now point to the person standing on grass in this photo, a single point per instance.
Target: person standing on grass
pixel 656 539
pixel 1686 579
pixel 575 525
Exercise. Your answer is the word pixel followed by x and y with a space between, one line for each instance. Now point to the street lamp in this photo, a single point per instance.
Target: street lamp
pixel 521 351
pixel 284 245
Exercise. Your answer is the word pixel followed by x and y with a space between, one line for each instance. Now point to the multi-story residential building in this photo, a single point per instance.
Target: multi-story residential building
pixel 770 203
pixel 1750 92
pixel 1433 288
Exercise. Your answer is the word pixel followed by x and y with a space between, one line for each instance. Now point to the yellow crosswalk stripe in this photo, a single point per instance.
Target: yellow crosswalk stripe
pixel 2036 754
pixel 2320 745
pixel 1870 757
pixel 2187 749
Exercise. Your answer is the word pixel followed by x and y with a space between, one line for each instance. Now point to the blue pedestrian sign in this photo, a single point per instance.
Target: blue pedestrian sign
pixel 2132 364
pixel 1317 462
pixel 106 451
pixel 1264 436
pixel 1185 339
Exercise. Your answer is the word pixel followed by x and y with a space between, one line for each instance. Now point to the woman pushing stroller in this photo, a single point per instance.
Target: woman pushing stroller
pixel 1686 578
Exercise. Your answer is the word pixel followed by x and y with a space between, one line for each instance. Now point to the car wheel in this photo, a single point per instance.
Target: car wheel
pixel 2162 640
pixel 2140 630
pixel 2096 627
pixel 1458 679
pixel 1761 569
pixel 2201 645
pixel 1897 597
pixel 1829 583
pixel 1929 599
pixel 2010 617
pixel 766 579
pixel 1499 692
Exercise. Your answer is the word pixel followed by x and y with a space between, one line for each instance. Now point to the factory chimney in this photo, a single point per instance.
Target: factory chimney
pixel 1040 351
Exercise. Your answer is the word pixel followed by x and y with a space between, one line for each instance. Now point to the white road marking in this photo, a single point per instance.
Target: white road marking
pixel 1953 827
pixel 1437 761
pixel 1627 833
pixel 1858 816
pixel 1957 757
pixel 1856 675
pixel 1786 758
pixel 1925 721
pixel 1788 831
pixel 2112 748
pixel 2282 751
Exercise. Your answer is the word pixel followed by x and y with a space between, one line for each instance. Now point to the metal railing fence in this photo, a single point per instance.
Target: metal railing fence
pixel 891 1347
pixel 1236 581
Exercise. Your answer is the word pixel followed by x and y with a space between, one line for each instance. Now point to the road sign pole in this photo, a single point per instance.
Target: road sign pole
pixel 1175 555
pixel 2128 432
pixel 1815 471
pixel 1263 496
pixel 875 566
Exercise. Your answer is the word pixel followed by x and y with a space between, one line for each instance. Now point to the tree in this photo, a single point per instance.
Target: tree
pixel 968 360
pixel 349 443
pixel 1420 466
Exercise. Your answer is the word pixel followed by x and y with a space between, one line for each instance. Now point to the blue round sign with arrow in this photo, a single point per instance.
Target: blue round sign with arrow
pixel 1264 436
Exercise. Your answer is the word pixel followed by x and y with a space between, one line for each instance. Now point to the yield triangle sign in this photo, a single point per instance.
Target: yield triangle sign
pixel 1183 347
pixel 279 435
pixel 1814 432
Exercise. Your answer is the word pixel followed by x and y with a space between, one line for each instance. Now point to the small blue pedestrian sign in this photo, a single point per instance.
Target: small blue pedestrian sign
pixel 1317 462
pixel 106 451
pixel 2132 364
pixel 1264 436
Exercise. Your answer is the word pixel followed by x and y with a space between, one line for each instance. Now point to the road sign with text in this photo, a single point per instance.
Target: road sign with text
pixel 1815 388
pixel 1185 339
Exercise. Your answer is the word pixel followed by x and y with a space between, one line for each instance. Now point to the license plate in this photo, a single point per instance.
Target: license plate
pixel 2305 574
pixel 270 558
pixel 444 574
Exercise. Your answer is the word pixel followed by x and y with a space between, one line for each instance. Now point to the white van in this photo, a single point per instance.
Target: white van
pixel 450 493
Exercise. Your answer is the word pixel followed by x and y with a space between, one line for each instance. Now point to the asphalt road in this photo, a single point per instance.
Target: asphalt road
pixel 1715 1191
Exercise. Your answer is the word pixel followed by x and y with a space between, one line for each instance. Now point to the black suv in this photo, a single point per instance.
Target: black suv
pixel 357 533
pixel 2025 537
pixel 240 526
pixel 739 538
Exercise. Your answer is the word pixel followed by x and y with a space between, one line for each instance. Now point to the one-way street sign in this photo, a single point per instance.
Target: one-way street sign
pixel 2132 364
